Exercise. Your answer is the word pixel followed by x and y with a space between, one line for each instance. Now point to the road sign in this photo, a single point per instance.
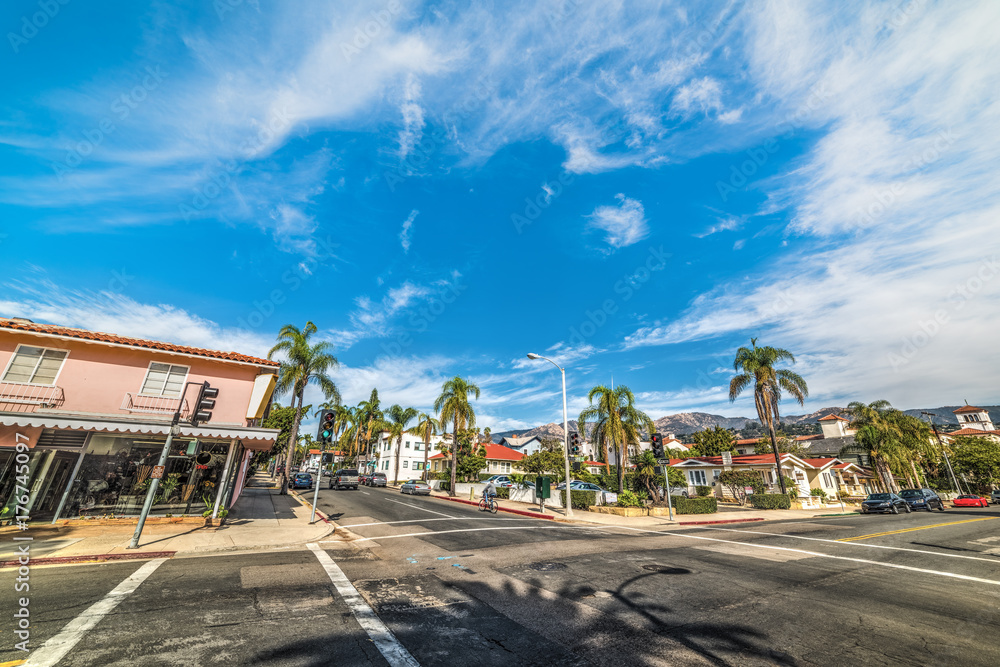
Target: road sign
pixel 157 472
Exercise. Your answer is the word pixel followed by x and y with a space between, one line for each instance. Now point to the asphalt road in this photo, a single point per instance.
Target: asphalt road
pixel 455 586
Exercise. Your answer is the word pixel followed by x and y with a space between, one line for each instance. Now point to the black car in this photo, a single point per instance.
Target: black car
pixel 922 499
pixel 884 502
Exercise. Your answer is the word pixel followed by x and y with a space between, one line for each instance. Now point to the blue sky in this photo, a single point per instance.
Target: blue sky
pixel 634 189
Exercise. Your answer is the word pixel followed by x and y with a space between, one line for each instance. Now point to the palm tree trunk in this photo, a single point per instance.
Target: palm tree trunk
pixel 621 466
pixel 399 452
pixel 777 457
pixel 454 459
pixel 427 444
pixel 915 475
pixel 292 440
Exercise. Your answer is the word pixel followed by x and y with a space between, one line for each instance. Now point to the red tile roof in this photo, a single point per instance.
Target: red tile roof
pixel 83 334
pixel 329 451
pixel 494 453
pixel 594 463
pixel 831 418
pixel 967 408
pixel 972 431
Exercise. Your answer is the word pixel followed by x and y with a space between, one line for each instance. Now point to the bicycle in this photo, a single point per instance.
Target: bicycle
pixel 488 506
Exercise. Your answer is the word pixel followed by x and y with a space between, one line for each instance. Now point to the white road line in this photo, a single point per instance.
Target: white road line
pixel 423 509
pixel 458 518
pixel 995 561
pixel 817 554
pixel 366 493
pixel 390 648
pixel 464 530
pixel 56 648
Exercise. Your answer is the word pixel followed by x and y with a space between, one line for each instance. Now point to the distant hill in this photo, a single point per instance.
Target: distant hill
pixel 689 422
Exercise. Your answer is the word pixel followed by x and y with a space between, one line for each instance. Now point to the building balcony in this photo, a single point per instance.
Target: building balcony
pixel 41 395
pixel 154 405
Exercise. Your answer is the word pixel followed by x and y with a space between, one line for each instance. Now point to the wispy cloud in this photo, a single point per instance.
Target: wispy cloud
pixel 404 235
pixel 623 224
pixel 413 118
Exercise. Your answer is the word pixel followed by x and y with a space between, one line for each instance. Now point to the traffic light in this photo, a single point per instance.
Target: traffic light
pixel 657 443
pixel 574 444
pixel 203 406
pixel 325 432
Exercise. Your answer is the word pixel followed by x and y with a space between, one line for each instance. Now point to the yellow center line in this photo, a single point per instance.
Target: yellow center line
pixel 13 663
pixel 907 530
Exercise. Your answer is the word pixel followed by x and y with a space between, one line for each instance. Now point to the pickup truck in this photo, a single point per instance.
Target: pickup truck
pixel 345 478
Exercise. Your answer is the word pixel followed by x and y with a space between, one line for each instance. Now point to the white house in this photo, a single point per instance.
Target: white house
pixel 411 455
pixel 975 422
pixel 526 446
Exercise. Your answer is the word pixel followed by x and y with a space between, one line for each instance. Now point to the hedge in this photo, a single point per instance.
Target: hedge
pixel 445 485
pixel 771 501
pixel 707 505
pixel 703 491
pixel 503 493
pixel 582 500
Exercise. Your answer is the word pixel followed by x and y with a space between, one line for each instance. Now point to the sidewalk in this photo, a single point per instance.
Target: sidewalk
pixel 262 519
pixel 727 515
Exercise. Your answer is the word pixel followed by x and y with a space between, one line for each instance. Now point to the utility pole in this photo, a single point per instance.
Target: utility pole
pixel 943 451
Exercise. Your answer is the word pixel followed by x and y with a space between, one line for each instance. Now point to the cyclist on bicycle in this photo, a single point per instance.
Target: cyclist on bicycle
pixel 490 492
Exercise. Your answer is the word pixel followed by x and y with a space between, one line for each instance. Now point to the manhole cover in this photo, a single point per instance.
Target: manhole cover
pixel 663 569
pixel 547 567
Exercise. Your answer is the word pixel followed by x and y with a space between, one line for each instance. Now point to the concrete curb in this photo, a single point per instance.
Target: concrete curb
pixel 704 523
pixel 533 515
pixel 92 558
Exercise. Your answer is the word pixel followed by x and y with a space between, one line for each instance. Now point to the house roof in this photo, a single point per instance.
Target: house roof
pixel 757 459
pixel 329 451
pixel 821 463
pixel 521 442
pixel 972 431
pixel 83 334
pixel 594 463
pixel 967 408
pixel 831 418
pixel 493 453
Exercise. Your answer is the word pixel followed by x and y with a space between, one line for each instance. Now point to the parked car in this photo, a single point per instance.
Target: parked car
pixel 884 502
pixel 922 499
pixel 302 480
pixel 971 501
pixel 500 481
pixel 415 488
pixel 995 496
pixel 345 478
pixel 577 485
pixel 363 479
pixel 377 479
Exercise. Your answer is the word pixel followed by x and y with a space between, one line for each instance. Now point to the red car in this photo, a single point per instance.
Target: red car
pixel 971 501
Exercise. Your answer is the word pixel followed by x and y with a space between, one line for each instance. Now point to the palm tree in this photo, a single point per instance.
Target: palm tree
pixel 617 422
pixel 453 404
pixel 645 469
pixel 426 428
pixel 372 421
pixel 891 440
pixel 350 429
pixel 755 366
pixel 399 417
pixel 303 364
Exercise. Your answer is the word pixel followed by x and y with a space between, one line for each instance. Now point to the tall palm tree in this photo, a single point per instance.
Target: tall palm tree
pixel 426 428
pixel 756 366
pixel 891 439
pixel 399 417
pixel 350 430
pixel 372 421
pixel 453 404
pixel 617 422
pixel 303 364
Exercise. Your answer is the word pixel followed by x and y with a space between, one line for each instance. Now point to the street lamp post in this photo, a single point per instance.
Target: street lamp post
pixel 943 450
pixel 569 492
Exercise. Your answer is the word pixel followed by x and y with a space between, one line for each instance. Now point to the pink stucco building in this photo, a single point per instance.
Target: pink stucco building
pixel 86 414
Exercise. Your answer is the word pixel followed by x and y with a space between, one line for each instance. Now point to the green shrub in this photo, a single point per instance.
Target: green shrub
pixel 445 485
pixel 701 505
pixel 819 493
pixel 483 476
pixel 703 491
pixel 503 493
pixel 628 499
pixel 583 500
pixel 771 501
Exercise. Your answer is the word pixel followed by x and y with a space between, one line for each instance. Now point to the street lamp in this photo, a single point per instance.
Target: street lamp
pixel 569 492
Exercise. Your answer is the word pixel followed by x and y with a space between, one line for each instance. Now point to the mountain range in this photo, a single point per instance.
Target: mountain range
pixel 689 422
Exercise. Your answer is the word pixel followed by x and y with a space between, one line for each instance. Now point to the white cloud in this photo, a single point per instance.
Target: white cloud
pixel 702 95
pixel 404 235
pixel 624 224
pixel 723 224
pixel 413 118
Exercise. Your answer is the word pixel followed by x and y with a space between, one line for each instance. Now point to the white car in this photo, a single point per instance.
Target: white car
pixel 500 481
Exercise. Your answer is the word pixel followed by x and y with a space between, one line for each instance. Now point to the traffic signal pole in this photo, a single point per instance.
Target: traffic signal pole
pixel 322 449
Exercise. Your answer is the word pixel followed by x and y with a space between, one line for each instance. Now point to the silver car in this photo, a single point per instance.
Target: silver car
pixel 415 488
